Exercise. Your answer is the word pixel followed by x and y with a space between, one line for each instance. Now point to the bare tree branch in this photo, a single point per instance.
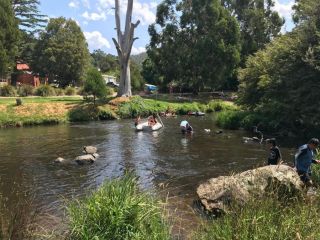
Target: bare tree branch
pixel 117 47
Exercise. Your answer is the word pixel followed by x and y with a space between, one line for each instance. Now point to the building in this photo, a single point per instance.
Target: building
pixel 24 75
pixel 110 80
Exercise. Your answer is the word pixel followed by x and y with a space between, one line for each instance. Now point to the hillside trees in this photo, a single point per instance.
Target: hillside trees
pixel 9 36
pixel 194 43
pixel 61 52
pixel 283 81
pixel 104 62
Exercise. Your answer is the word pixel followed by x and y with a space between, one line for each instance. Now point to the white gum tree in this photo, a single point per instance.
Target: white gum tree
pixel 124 45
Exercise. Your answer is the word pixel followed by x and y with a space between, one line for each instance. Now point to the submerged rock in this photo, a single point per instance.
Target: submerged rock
pixel 89 149
pixel 88 158
pixel 216 194
pixel 59 160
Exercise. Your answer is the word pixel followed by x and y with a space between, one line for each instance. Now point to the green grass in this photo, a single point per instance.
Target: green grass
pixel 64 99
pixel 265 220
pixel 118 211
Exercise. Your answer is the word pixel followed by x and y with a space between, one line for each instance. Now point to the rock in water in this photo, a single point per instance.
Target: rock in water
pixel 88 158
pixel 59 160
pixel 89 149
pixel 216 194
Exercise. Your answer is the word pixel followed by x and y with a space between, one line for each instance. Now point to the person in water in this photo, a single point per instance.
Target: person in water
pixel 152 120
pixel 274 152
pixel 137 120
pixel 304 158
pixel 185 127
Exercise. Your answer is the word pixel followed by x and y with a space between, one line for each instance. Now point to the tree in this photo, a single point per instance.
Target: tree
pixel 104 62
pixel 28 15
pixel 282 81
pixel 94 84
pixel 136 77
pixel 9 36
pixel 62 52
pixel 194 43
pixel 124 46
pixel 259 24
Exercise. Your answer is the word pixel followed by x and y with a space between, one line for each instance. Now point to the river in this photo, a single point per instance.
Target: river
pixel 167 162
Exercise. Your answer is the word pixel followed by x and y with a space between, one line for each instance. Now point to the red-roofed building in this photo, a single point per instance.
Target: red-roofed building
pixel 24 75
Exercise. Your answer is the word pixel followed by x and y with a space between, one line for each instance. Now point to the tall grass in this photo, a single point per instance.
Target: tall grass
pixel 265 220
pixel 118 211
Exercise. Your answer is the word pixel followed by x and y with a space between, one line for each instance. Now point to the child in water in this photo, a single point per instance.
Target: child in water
pixel 274 152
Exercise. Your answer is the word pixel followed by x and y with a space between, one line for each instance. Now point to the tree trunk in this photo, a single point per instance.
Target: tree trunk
pixel 124 46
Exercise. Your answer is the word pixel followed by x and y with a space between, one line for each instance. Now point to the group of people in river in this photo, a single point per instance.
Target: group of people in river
pixel 303 159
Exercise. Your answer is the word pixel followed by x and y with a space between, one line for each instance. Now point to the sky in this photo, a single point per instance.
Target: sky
pixel 96 19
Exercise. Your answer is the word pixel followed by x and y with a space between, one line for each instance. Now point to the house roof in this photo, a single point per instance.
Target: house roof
pixel 23 66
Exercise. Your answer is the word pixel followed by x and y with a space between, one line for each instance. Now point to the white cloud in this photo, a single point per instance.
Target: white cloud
pixel 86 3
pixel 145 12
pixel 284 9
pixel 137 50
pixel 74 4
pixel 96 40
pixel 94 16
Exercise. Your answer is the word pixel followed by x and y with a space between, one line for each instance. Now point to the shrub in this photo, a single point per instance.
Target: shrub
pixel 94 84
pixel 230 119
pixel 83 113
pixel 59 91
pixel 8 91
pixel 70 91
pixel 25 90
pixel 109 91
pixel 219 105
pixel 45 91
pixel 118 211
pixel 266 219
pixel 105 113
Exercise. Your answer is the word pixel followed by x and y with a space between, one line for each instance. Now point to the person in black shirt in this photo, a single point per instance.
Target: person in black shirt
pixel 274 152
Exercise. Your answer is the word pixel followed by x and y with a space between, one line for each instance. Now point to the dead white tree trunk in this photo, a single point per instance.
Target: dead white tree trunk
pixel 124 46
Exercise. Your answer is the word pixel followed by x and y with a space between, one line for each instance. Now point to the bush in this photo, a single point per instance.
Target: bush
pixel 70 91
pixel 95 85
pixel 230 119
pixel 109 91
pixel 25 90
pixel 266 219
pixel 219 105
pixel 8 91
pixel 45 91
pixel 59 91
pixel 118 211
pixel 105 113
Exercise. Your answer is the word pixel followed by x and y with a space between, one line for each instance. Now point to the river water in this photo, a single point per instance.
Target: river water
pixel 167 162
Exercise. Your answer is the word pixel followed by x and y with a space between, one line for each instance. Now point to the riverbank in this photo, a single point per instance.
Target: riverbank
pixel 55 110
pixel 120 210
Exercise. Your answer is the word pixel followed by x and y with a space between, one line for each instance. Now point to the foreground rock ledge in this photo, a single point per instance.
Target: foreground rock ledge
pixel 216 194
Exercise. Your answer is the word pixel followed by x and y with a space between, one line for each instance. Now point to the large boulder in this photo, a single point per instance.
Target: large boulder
pixel 216 194
pixel 89 149
pixel 83 159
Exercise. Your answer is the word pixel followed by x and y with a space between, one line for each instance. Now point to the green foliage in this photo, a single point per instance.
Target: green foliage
pixel 119 211
pixel 230 119
pixel 9 36
pixel 8 91
pixel 70 91
pixel 109 91
pixel 219 105
pixel 45 91
pixel 266 219
pixel 59 91
pixel 194 43
pixel 104 62
pixel 89 112
pixel 137 81
pixel 61 52
pixel 94 84
pixel 25 90
pixel 281 81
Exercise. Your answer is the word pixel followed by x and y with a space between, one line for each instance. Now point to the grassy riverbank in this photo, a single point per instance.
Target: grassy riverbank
pixel 54 110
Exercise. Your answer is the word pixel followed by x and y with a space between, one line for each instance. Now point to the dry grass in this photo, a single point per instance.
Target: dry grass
pixel 119 100
pixel 46 109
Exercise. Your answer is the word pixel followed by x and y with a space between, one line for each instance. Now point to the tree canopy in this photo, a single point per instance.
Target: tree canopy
pixel 9 36
pixel 195 43
pixel 62 52
pixel 283 80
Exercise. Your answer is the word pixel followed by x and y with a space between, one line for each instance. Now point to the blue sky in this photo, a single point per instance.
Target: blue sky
pixel 96 19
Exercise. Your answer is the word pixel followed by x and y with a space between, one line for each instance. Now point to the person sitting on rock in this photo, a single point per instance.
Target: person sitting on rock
pixel 274 152
pixel 304 158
